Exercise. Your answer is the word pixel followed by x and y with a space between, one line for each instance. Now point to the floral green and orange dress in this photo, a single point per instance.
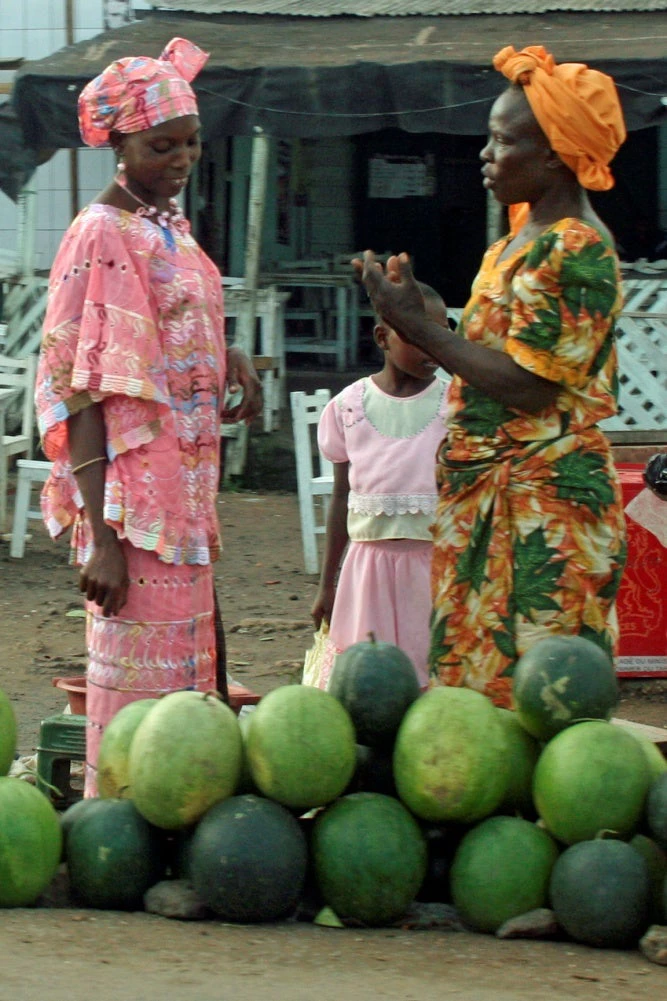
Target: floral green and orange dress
pixel 529 531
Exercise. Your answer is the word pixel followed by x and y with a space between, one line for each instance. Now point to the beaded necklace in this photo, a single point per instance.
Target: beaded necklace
pixel 172 216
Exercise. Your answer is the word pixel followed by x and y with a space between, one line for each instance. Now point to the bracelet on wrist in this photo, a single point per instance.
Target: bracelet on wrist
pixel 89 462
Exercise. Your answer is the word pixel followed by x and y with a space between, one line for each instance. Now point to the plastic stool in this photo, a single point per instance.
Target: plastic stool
pixel 62 739
pixel 30 472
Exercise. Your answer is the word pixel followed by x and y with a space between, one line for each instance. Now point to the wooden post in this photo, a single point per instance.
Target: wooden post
pixel 247 320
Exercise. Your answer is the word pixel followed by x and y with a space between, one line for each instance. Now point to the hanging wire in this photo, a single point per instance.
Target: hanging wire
pixel 384 114
pixel 345 114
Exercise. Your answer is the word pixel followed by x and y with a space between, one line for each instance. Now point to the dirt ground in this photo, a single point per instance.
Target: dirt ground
pixel 265 597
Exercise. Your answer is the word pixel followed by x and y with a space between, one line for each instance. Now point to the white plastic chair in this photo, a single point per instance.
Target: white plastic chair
pixel 306 411
pixel 30 473
pixel 17 386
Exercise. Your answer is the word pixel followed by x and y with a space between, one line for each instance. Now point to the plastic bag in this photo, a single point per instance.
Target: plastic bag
pixel 316 666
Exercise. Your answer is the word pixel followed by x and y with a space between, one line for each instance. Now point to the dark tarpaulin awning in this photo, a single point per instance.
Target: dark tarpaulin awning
pixel 306 77
pixel 18 161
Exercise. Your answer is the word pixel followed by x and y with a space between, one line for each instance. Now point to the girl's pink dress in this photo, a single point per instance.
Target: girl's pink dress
pixel 390 444
pixel 135 323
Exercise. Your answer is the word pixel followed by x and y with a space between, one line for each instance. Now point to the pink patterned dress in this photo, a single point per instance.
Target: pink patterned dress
pixel 135 323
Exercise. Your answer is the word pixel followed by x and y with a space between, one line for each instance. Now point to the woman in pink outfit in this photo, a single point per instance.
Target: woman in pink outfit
pixel 132 377
pixel 382 433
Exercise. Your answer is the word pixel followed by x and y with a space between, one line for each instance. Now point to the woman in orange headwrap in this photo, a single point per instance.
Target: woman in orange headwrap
pixel 132 378
pixel 529 533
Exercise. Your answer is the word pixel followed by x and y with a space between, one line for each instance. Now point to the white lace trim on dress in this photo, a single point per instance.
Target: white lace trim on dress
pixel 392 504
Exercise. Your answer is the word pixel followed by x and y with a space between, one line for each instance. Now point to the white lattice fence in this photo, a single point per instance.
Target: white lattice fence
pixel 642 357
pixel 642 346
pixel 642 367
pixel 23 312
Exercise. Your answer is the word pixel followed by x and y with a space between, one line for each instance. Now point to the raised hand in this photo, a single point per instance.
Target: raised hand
pixel 393 290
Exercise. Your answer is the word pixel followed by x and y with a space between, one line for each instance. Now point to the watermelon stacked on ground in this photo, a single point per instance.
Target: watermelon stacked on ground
pixel 113 760
pixel 30 843
pixel 561 680
pixel 376 682
pixel 600 892
pixel 591 777
pixel 370 858
pixel 501 869
pixel 185 755
pixel 451 756
pixel 247 859
pixel 114 855
pixel 300 747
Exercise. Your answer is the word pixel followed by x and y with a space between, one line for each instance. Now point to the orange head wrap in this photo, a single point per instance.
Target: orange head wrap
pixel 577 108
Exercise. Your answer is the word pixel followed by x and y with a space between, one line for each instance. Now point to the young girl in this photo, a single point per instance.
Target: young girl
pixel 382 434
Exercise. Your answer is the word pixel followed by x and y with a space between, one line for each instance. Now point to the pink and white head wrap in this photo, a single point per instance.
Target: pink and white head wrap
pixel 138 92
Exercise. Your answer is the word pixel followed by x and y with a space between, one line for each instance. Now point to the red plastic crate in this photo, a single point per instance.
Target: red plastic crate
pixel 642 597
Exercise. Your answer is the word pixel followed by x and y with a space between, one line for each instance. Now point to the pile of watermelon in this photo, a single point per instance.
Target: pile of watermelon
pixel 351 805
pixel 30 834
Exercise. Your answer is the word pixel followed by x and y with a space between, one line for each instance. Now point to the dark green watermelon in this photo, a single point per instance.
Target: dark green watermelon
pixel 376 682
pixel 501 869
pixel 114 856
pixel 561 680
pixel 600 892
pixel 370 857
pixel 247 859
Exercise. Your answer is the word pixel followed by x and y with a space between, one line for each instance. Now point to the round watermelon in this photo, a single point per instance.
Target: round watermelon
pixel 30 843
pixel 523 751
pixel 501 869
pixel 451 756
pixel 656 809
pixel 376 682
pixel 113 757
pixel 300 747
pixel 185 756
pixel 247 859
pixel 370 858
pixel 114 856
pixel 589 778
pixel 7 734
pixel 600 893
pixel 560 680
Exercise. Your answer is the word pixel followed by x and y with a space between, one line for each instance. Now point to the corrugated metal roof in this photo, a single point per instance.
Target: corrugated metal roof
pixel 404 8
